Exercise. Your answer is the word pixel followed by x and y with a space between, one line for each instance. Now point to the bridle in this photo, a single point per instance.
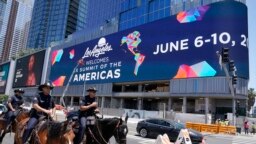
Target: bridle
pixel 117 133
pixel 100 133
pixel 66 131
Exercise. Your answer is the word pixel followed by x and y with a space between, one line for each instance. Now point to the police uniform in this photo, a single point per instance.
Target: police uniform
pixel 45 102
pixel 16 101
pixel 83 115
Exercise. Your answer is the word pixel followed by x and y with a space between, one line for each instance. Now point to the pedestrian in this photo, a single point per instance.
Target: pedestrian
pixel 253 128
pixel 246 127
pixel 226 122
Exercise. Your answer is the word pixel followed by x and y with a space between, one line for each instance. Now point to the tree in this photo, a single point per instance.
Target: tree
pixel 3 98
pixel 251 98
pixel 24 52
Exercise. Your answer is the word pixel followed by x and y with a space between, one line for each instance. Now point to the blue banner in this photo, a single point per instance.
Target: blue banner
pixel 180 46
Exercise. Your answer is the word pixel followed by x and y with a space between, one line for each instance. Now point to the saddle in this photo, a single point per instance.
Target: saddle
pixel 23 124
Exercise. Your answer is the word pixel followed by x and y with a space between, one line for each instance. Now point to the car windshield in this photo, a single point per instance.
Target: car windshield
pixel 177 125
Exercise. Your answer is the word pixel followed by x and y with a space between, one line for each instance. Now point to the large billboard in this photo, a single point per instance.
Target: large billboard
pixel 180 46
pixel 4 71
pixel 28 71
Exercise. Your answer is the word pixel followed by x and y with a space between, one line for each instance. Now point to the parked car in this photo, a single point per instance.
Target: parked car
pixel 3 108
pixel 153 127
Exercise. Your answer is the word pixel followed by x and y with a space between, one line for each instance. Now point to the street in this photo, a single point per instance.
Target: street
pixel 133 138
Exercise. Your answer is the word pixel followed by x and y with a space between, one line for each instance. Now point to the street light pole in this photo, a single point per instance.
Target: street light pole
pixel 70 78
pixel 222 62
pixel 232 89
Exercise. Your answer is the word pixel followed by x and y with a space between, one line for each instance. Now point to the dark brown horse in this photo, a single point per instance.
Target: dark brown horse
pixel 50 132
pixel 22 114
pixel 104 129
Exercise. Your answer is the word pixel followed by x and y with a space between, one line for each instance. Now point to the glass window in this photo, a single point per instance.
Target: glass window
pixel 153 121
pixel 156 15
pixel 150 17
pixel 117 88
pixel 131 88
pixel 164 123
pixel 167 12
pixel 161 13
pixel 156 5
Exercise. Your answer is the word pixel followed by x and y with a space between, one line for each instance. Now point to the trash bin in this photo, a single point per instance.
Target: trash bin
pixel 238 130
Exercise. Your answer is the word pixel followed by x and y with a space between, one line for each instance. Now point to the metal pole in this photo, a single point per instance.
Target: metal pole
pixel 84 87
pixel 66 88
pixel 232 93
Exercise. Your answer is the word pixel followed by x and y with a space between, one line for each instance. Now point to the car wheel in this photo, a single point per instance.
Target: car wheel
pixel 143 132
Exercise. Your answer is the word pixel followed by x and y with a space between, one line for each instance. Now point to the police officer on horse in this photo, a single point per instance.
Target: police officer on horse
pixel 43 105
pixel 13 103
pixel 88 105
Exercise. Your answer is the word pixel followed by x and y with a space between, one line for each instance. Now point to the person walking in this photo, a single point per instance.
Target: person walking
pixel 246 127
pixel 253 128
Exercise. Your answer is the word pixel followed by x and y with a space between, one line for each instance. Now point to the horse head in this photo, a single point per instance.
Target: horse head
pixel 67 133
pixel 121 131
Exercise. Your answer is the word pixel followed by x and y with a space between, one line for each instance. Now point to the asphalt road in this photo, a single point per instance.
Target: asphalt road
pixel 133 138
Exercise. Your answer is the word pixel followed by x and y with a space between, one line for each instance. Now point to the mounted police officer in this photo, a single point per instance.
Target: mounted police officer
pixel 43 105
pixel 13 103
pixel 88 105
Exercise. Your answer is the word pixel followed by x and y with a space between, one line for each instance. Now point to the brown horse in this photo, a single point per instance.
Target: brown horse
pixel 50 132
pixel 22 114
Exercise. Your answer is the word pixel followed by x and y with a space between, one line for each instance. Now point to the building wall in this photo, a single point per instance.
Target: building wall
pixel 2 10
pixel 9 31
pixel 138 12
pixel 54 20
pixel 102 12
pixel 21 28
pixel 5 26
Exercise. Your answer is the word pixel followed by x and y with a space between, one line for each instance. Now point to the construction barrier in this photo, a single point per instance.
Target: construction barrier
pixel 211 128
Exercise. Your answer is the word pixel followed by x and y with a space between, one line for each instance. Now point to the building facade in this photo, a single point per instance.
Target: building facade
pixel 21 27
pixel 2 10
pixel 6 35
pixel 193 95
pixel 54 20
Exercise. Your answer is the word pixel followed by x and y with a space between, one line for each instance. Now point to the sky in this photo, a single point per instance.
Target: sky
pixel 251 4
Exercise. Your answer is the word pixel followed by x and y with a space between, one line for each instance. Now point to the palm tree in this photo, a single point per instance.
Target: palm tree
pixel 251 98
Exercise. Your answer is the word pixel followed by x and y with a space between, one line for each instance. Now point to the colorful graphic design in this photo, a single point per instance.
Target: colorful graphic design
pixel 192 15
pixel 59 81
pixel 132 41
pixel 56 56
pixel 72 54
pixel 202 69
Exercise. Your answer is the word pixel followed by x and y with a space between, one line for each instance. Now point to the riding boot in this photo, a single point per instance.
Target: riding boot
pixel 31 125
pixel 26 135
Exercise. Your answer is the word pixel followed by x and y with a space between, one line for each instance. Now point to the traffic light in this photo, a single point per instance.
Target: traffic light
pixel 231 65
pixel 237 108
pixel 234 80
pixel 225 55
